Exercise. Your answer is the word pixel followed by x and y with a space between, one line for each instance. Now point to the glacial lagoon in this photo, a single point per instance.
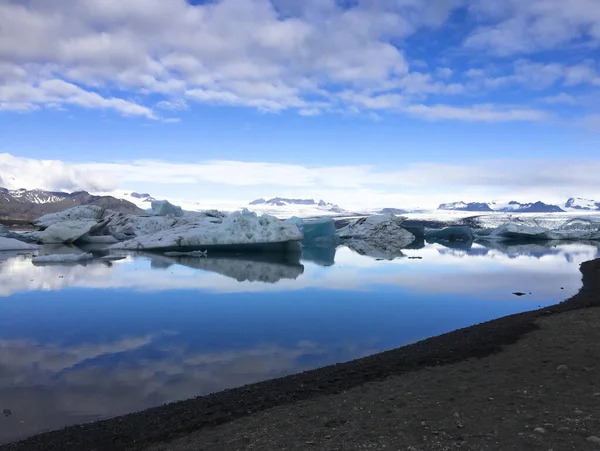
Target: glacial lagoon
pixel 98 339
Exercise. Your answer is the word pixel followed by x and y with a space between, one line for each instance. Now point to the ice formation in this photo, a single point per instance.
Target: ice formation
pixel 235 229
pixel 10 244
pixel 64 232
pixel 165 208
pixel 318 229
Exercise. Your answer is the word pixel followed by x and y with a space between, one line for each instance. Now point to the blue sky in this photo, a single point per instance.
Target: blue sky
pixel 380 102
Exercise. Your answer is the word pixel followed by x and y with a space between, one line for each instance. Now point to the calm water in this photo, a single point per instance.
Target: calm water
pixel 79 343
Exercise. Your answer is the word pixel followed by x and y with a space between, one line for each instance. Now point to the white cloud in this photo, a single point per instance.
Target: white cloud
pixel 513 26
pixel 561 98
pixel 477 113
pixel 312 57
pixel 238 182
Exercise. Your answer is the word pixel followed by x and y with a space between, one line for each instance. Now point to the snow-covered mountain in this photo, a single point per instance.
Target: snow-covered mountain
pixel 533 207
pixel 142 200
pixel 463 206
pixel 26 205
pixel 578 203
pixel 283 207
pixel 512 206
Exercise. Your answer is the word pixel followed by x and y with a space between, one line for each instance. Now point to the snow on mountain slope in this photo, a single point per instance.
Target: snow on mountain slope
pixel 578 203
pixel 463 206
pixel 302 208
pixel 34 196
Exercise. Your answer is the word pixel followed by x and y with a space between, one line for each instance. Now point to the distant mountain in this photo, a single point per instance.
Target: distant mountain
pixel 392 211
pixel 284 202
pixel 577 203
pixel 463 206
pixel 27 205
pixel 513 207
pixel 535 207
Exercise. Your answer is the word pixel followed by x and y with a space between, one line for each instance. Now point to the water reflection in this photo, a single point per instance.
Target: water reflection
pixel 78 343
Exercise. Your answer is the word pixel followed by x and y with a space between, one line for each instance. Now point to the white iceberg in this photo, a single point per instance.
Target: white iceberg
pixel 513 230
pixel 202 231
pixel 79 213
pixel 575 229
pixel 165 208
pixel 64 232
pixel 62 258
pixel 10 244
pixel 97 239
pixel 386 230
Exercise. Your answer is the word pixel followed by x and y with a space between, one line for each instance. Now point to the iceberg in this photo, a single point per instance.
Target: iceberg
pixel 112 258
pixel 64 232
pixel 383 229
pixel 10 244
pixel 79 213
pixel 318 229
pixel 458 234
pixel 379 250
pixel 3 230
pixel 575 229
pixel 206 232
pixel 62 258
pixel 165 208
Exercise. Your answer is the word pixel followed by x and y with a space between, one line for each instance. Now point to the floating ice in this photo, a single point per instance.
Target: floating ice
pixel 64 232
pixel 79 213
pixel 165 208
pixel 318 229
pixel 378 236
pixel 62 258
pixel 10 244
pixel 3 230
pixel 235 229
pixel 450 234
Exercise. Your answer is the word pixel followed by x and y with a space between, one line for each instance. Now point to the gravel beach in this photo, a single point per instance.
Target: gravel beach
pixel 525 382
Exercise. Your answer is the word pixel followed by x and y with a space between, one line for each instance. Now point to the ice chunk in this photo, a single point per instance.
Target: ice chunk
pixel 79 213
pixel 378 236
pixel 461 234
pixel 384 229
pixel 204 231
pixel 165 208
pixel 62 258
pixel 64 232
pixel 97 239
pixel 10 244
pixel 516 231
pixel 3 230
pixel 318 229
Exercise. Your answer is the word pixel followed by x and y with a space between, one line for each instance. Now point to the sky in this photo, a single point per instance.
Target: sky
pixel 363 103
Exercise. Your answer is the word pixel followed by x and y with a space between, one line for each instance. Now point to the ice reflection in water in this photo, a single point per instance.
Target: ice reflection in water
pixel 83 342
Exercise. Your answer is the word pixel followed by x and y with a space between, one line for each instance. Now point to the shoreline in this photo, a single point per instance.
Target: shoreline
pixel 139 430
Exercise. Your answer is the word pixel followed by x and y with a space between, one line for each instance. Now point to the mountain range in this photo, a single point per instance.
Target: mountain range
pixel 574 203
pixel 284 202
pixel 22 204
pixel 26 205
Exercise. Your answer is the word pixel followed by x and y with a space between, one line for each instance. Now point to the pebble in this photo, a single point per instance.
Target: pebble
pixel 579 412
pixel 562 368
pixel 563 429
pixel 593 439
pixel 540 430
pixel 7 412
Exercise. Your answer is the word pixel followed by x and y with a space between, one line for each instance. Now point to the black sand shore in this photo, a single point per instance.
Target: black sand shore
pixel 488 386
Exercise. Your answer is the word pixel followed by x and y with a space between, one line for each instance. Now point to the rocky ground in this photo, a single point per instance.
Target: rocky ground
pixel 524 382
